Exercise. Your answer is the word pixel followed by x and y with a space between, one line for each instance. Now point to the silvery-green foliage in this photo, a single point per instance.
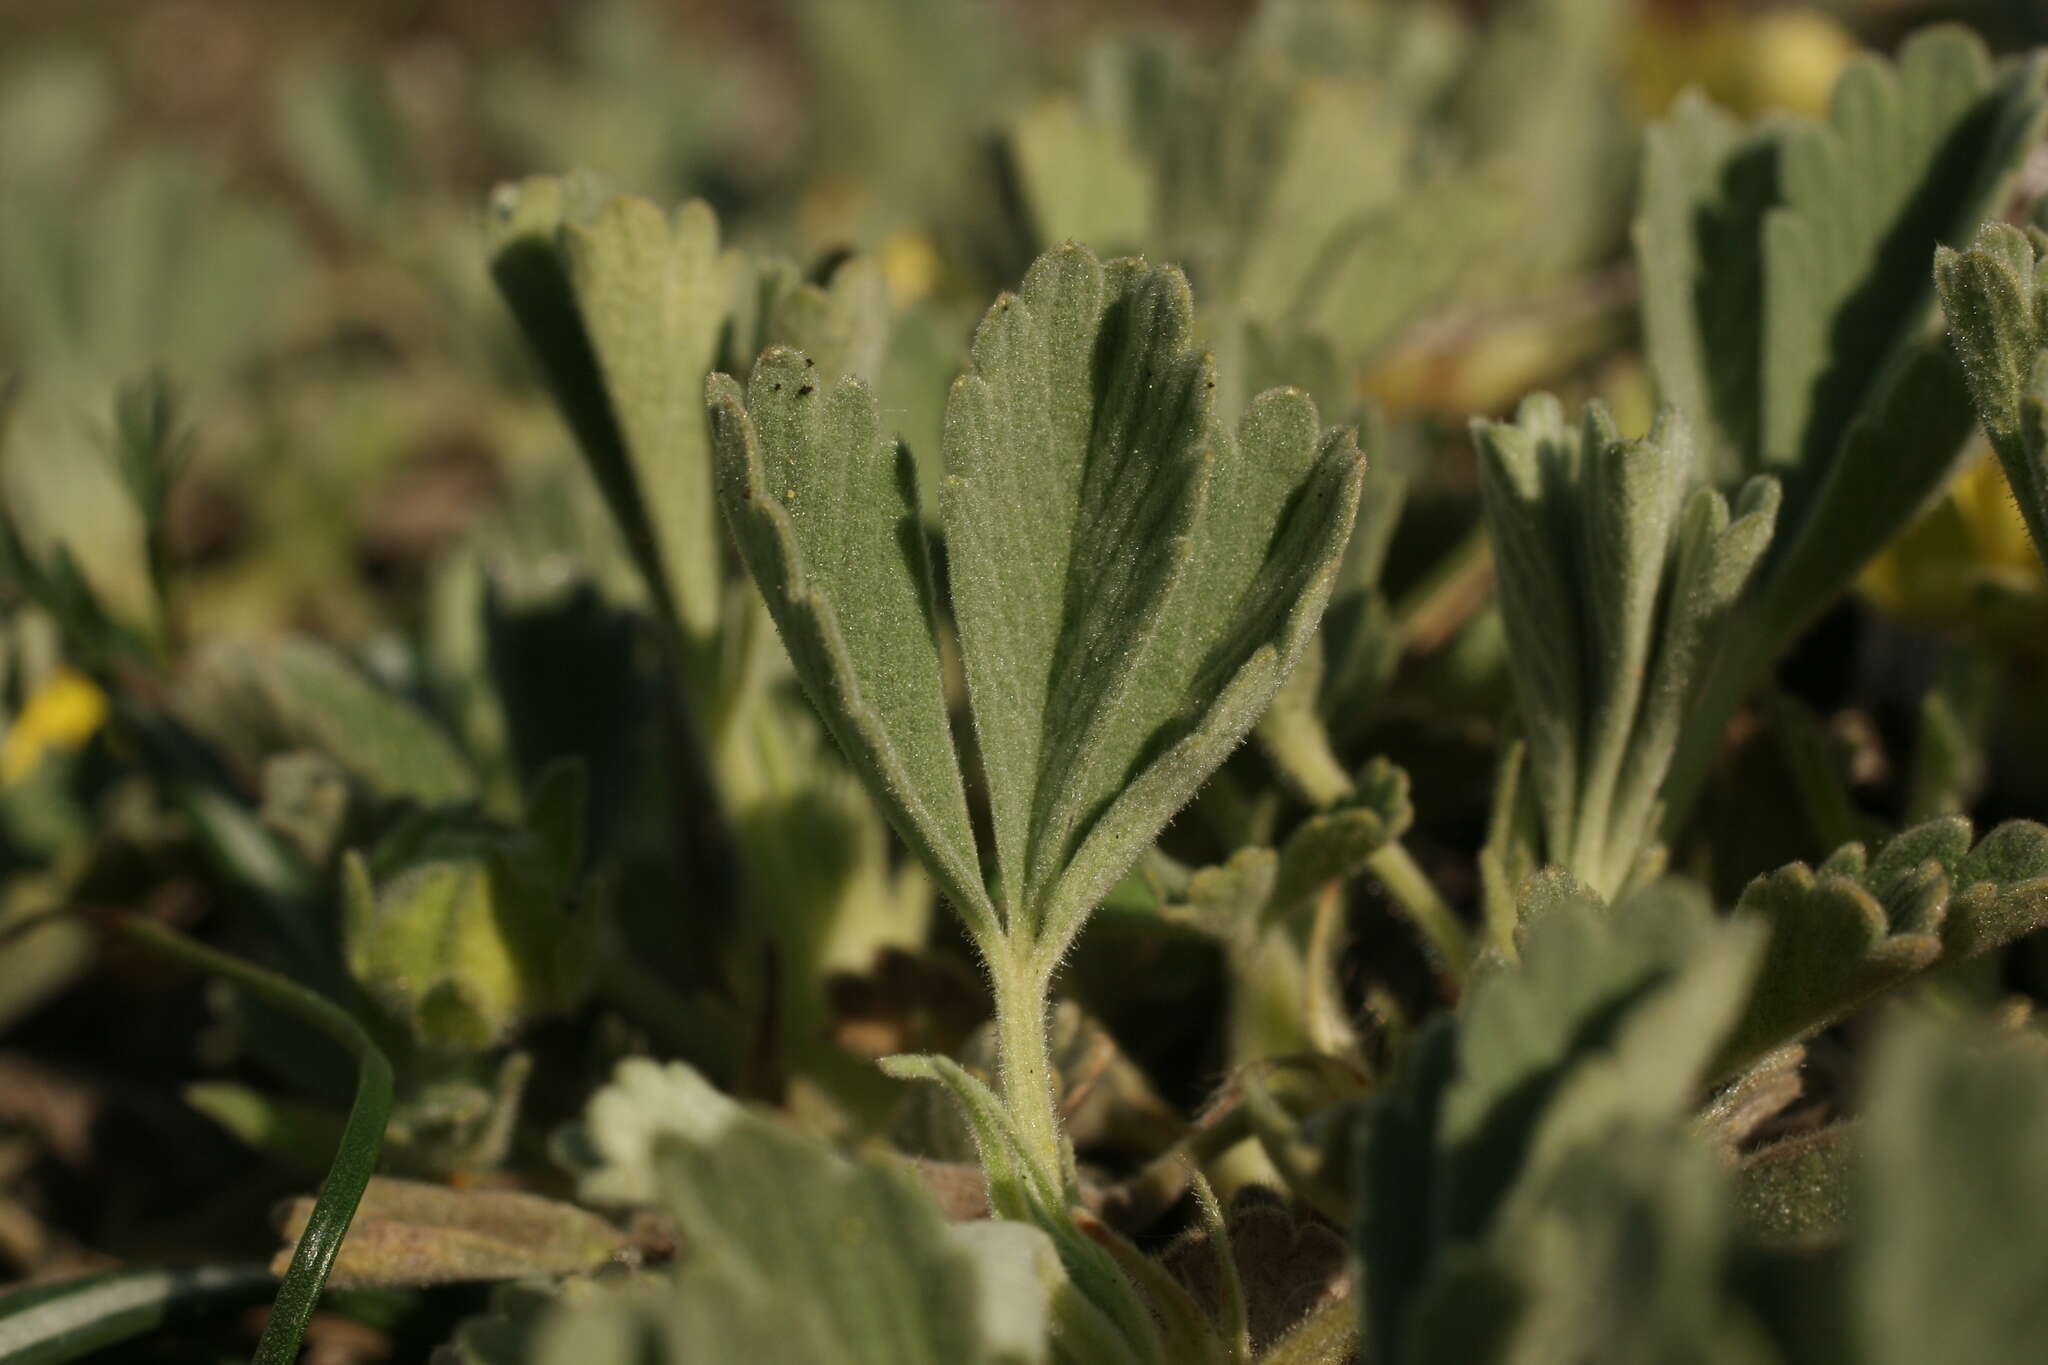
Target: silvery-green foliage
pixel 1248 173
pixel 627 310
pixel 1861 924
pixel 1644 1215
pixel 1543 1116
pixel 623 304
pixel 789 1252
pixel 1996 298
pixel 1951 1192
pixel 1130 579
pixel 1259 887
pixel 1786 302
pixel 1335 138
pixel 154 262
pixel 1332 696
pixel 1617 572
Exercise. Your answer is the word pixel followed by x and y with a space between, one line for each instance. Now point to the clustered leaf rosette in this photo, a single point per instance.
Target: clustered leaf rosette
pixel 1618 571
pixel 1130 581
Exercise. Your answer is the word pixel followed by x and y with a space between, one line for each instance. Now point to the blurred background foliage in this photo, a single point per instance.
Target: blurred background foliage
pixel 382 581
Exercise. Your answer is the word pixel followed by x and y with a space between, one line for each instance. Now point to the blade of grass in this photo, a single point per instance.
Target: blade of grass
pixel 354 1161
pixel 49 1324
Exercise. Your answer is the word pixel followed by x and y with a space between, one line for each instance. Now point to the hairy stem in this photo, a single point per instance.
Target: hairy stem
pixel 1418 897
pixel 1024 1056
pixel 1327 1336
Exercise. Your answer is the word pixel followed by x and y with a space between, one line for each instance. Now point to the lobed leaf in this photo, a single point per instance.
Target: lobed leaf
pixel 1617 575
pixel 1785 299
pixel 1846 932
pixel 1996 297
pixel 622 305
pixel 1258 887
pixel 1131 581
pixel 1121 642
pixel 1601 1034
pixel 826 513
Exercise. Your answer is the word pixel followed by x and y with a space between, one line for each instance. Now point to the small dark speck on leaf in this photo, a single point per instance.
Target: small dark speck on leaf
pixel 804 392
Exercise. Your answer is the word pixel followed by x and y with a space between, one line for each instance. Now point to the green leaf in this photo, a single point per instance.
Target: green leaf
pixel 1021 1191
pixel 295 693
pixel 1078 177
pixel 1796 1190
pixel 1950 1198
pixel 789 1252
pixel 1951 761
pixel 292 1133
pixel 1785 301
pixel 1785 270
pixel 355 1157
pixel 1258 887
pixel 1603 1029
pixel 1617 575
pixel 1996 298
pixel 1131 581
pixel 467 932
pixel 623 305
pixel 1610 1015
pixel 826 513
pixel 407 1232
pixel 1123 637
pixel 842 322
pixel 1619 1252
pixel 1856 927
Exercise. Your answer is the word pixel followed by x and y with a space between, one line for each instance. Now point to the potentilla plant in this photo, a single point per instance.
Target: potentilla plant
pixel 1130 582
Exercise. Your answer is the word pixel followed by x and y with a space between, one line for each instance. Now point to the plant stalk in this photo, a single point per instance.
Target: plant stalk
pixel 1024 1055
pixel 1432 915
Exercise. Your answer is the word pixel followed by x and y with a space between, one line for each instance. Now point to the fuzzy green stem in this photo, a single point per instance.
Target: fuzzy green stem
pixel 1327 1336
pixel 1025 1059
pixel 1412 890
